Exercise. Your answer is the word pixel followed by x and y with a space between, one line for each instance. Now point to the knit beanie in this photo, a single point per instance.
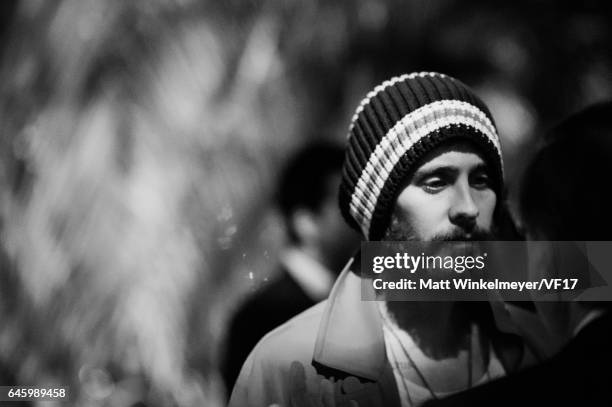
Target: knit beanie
pixel 398 123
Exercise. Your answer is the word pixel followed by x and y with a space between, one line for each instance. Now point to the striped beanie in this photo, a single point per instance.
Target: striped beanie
pixel 396 124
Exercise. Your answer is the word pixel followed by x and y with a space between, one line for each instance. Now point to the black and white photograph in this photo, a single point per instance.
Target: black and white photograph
pixel 305 203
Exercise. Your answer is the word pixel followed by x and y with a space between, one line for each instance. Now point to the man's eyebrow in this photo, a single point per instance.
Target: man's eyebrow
pixel 447 170
pixel 442 169
pixel 481 167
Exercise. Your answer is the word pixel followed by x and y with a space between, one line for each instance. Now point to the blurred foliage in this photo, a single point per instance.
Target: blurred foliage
pixel 140 142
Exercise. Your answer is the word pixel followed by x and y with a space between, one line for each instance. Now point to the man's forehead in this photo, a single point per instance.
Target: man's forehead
pixel 455 153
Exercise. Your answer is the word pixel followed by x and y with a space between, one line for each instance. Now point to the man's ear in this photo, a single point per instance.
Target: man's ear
pixel 305 225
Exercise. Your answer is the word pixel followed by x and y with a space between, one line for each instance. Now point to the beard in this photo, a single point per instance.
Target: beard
pixel 420 318
pixel 400 230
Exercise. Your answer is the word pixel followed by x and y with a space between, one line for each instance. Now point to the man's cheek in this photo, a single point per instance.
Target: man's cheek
pixel 486 209
pixel 487 219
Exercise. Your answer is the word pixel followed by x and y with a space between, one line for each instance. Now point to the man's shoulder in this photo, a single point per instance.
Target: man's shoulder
pixel 292 341
pixel 295 339
pixel 264 377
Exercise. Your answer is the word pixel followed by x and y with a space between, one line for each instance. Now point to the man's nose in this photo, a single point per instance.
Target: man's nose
pixel 463 211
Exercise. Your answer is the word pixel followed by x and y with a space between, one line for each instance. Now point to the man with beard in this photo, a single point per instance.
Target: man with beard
pixel 423 163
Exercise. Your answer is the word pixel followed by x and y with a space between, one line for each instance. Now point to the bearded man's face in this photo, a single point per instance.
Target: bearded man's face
pixel 449 197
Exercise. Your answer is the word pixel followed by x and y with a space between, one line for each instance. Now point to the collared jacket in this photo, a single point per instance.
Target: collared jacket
pixel 340 343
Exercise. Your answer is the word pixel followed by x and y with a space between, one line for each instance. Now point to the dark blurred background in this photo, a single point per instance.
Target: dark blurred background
pixel 140 143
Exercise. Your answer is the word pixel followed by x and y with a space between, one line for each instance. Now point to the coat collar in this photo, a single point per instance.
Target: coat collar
pixel 350 337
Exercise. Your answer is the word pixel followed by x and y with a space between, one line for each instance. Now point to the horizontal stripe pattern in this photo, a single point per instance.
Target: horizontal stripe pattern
pixel 400 138
pixel 380 88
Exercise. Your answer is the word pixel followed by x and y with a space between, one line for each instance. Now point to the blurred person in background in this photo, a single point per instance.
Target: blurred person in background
pixel 423 163
pixel 564 197
pixel 319 244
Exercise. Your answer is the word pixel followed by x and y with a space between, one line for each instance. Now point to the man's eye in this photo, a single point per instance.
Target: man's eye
pixel 433 184
pixel 480 181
